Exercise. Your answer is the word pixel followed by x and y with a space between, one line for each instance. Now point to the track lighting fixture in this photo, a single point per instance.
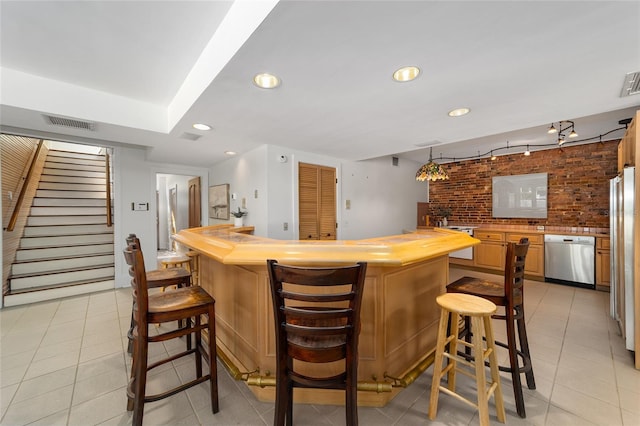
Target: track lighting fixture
pixel 527 153
pixel 560 130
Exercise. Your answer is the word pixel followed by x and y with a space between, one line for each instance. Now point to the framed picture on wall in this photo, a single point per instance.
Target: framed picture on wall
pixel 219 201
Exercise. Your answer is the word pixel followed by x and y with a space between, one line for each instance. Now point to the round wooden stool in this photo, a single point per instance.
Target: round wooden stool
pixel 479 310
pixel 177 262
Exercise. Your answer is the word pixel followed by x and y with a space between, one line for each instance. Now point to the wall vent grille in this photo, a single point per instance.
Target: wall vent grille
pixel 69 122
pixel 631 84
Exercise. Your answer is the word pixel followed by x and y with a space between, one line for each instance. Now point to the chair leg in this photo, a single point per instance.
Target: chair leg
pixel 437 364
pixel 213 366
pixel 197 353
pixel 524 347
pixel 453 349
pixel 513 361
pixel 478 351
pixel 140 378
pixel 289 393
pixel 282 395
pixel 351 404
pixel 495 372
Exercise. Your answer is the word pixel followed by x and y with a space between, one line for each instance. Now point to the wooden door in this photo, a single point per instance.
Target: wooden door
pixel 194 203
pixel 316 202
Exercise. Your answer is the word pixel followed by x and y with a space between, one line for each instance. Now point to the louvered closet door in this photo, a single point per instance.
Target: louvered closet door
pixel 317 202
pixel 327 208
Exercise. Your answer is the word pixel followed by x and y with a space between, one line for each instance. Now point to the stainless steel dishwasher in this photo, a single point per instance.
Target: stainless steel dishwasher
pixel 569 259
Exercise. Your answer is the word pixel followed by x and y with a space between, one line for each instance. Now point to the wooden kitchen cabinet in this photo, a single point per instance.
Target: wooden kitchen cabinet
pixel 627 148
pixel 603 267
pixel 491 250
pixel 534 264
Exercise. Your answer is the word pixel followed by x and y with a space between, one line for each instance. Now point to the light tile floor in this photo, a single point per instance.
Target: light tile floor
pixel 64 363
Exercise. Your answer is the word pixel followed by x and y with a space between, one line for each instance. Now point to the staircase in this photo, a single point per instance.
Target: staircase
pixel 66 248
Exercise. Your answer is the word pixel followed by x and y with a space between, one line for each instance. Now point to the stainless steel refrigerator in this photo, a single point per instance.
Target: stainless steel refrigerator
pixel 621 232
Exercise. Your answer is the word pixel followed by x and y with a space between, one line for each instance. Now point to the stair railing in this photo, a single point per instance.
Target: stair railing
pixel 108 189
pixel 23 190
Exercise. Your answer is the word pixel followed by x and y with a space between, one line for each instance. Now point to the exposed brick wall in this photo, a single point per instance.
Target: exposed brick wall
pixel 578 192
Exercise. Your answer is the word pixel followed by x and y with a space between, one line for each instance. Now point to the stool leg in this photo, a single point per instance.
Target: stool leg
pixel 513 361
pixel 453 349
pixel 495 372
pixel 524 347
pixel 478 351
pixel 437 364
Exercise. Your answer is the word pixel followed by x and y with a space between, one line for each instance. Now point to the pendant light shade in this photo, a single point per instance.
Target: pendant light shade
pixel 431 171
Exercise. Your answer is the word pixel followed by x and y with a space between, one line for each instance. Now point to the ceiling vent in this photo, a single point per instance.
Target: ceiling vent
pixel 69 123
pixel 631 84
pixel 190 136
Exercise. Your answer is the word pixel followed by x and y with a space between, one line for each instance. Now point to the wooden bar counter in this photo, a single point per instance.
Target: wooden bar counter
pixel 399 315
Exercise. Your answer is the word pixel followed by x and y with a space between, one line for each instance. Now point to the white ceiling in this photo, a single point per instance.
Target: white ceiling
pixel 145 71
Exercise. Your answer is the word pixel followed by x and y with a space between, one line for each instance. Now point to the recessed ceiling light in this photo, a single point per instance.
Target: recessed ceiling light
pixel 266 81
pixel 201 126
pixel 230 152
pixel 406 74
pixel 458 112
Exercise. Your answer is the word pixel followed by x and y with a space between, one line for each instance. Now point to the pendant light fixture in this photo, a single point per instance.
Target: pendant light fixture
pixel 431 171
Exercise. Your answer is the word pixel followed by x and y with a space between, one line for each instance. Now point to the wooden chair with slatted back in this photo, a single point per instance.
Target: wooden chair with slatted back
pixel 160 278
pixel 317 318
pixel 510 295
pixel 189 304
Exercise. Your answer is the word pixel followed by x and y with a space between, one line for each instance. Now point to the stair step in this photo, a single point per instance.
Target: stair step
pixel 68 211
pixel 67 220
pixel 66 172
pixel 72 179
pixel 71 186
pixel 58 252
pixel 17 298
pixel 65 240
pixel 51 193
pixel 70 154
pixel 57 278
pixel 46 266
pixel 65 166
pixel 69 202
pixel 49 231
pixel 73 162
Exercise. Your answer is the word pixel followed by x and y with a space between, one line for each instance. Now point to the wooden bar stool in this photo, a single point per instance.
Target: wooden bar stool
pixel 479 310
pixel 510 295
pixel 177 262
pixel 187 304
pixel 159 278
pixel 317 319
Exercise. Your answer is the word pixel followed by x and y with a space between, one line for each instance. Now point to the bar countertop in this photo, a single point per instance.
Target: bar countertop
pixel 229 247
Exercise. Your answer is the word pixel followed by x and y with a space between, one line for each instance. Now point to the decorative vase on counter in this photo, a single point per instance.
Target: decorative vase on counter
pixel 237 221
pixel 444 221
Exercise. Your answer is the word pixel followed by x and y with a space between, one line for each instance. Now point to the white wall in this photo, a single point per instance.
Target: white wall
pixel 247 177
pixel 383 197
pixel 135 181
